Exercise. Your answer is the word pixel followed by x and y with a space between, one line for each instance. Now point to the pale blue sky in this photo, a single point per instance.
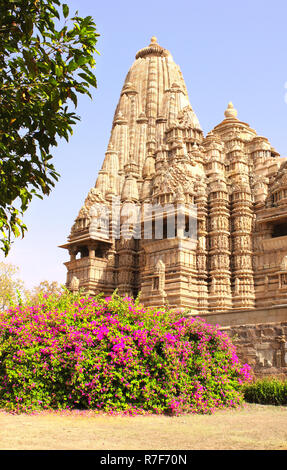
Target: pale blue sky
pixel 227 51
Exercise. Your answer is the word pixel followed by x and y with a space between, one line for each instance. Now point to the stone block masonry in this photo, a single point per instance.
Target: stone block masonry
pixel 262 343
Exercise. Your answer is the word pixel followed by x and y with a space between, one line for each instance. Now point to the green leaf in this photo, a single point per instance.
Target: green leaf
pixel 89 78
pixel 65 10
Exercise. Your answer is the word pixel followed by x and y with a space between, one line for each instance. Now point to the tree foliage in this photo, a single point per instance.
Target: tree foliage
pixel 43 290
pixel 13 291
pixel 11 288
pixel 46 60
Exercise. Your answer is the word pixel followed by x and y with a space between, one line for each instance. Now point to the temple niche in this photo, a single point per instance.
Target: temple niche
pixel 187 220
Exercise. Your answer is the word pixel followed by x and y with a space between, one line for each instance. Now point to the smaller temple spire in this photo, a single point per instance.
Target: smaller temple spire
pixel 231 112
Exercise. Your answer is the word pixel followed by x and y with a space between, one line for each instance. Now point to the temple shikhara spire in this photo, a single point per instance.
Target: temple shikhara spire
pixel 226 193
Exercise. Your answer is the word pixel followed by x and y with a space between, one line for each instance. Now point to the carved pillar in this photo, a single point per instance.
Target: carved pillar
pixel 242 224
pixel 201 255
pixel 220 288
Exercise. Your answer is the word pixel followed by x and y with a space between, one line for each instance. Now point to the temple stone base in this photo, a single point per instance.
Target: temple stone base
pixel 260 337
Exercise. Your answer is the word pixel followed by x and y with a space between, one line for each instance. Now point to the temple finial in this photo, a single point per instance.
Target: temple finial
pixel 153 40
pixel 230 112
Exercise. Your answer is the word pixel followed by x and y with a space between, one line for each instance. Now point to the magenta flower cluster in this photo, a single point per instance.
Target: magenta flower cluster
pixel 113 355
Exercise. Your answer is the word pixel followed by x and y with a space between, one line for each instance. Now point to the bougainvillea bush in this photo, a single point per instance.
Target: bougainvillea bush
pixel 113 355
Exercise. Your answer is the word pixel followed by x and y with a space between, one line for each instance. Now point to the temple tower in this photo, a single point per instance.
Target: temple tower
pixel 190 221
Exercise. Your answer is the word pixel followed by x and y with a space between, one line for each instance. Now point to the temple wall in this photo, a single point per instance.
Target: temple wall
pixel 260 337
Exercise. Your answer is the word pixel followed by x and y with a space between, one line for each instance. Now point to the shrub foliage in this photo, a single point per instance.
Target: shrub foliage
pixel 113 355
pixel 266 391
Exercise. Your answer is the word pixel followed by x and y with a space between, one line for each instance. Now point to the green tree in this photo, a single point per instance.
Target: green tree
pixel 46 60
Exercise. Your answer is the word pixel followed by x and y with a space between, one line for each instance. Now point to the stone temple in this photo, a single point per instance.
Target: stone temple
pixel 231 181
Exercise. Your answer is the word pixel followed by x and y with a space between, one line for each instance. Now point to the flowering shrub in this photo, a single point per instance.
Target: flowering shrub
pixel 112 354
